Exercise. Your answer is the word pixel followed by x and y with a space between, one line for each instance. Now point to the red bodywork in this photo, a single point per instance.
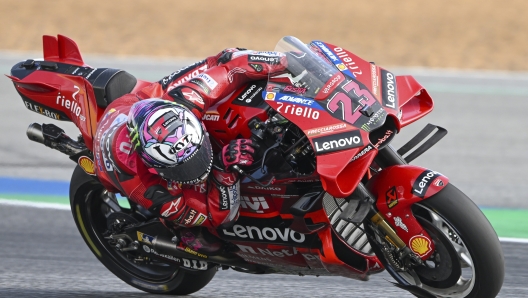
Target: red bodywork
pixel 71 97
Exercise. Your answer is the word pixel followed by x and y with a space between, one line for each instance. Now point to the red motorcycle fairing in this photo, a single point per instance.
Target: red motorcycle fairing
pixel 270 241
pixel 398 94
pixel 229 118
pixel 59 96
pixel 397 188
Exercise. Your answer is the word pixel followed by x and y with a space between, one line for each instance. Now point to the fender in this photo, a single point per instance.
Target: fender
pixel 396 189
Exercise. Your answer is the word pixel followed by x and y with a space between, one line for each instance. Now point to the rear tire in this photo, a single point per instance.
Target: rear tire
pixel 455 219
pixel 86 204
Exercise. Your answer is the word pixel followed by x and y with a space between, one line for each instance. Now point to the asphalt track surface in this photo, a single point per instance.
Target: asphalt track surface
pixel 484 155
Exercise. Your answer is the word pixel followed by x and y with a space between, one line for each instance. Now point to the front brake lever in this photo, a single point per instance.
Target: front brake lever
pixel 241 172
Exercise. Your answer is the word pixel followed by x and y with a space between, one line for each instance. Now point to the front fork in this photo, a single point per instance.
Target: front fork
pixel 408 249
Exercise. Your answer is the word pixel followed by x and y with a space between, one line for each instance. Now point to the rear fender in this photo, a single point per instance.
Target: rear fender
pixel 396 189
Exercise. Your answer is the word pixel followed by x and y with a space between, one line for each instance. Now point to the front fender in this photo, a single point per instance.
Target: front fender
pixel 396 189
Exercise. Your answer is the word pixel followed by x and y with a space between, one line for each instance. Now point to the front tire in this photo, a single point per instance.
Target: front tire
pixel 89 210
pixel 468 260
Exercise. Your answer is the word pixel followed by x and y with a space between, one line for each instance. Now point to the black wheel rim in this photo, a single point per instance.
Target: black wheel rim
pixel 455 282
pixel 93 211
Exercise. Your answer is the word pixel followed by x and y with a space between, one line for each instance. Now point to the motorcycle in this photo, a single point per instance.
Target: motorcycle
pixel 328 194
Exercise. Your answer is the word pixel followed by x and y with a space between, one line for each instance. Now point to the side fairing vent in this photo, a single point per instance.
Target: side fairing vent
pixel 350 233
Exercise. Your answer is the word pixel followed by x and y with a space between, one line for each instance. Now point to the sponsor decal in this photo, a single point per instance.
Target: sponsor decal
pixel 152 251
pixel 234 71
pixel 254 204
pixel 304 112
pixel 256 67
pixel 438 182
pixel 272 188
pixel 211 116
pixel 293 89
pixel 251 96
pixel 264 234
pixel 201 84
pixel 375 79
pixel 264 59
pixel 298 100
pixel 399 223
pixel 142 237
pixel 195 253
pixel 420 245
pixel 347 106
pixel 388 133
pixel 285 252
pixel 327 51
pixel 390 93
pixel 391 197
pixel 423 182
pixel 326 129
pixel 374 120
pixel 87 165
pixel 349 63
pixel 192 96
pixel 224 199
pixel 189 217
pixel 199 221
pixel 337 142
pixel 194 264
pixel 181 72
pixel 43 111
pixel 268 53
pixel 71 104
pixel 270 96
pixel 169 209
pixel 362 152
pixel 181 144
pixel 329 86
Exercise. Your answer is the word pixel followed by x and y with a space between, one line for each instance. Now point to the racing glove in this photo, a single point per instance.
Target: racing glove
pixel 237 152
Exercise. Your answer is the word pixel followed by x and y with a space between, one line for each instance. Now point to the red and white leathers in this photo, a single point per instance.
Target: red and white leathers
pixel 211 204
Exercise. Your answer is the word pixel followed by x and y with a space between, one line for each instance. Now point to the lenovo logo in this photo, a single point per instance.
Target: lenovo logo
pixel 337 142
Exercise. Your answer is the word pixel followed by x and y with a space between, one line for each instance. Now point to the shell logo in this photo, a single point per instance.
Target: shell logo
pixel 270 96
pixel 341 66
pixel 420 245
pixel 87 165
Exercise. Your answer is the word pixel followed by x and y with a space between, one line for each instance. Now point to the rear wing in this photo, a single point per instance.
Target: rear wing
pixel 61 49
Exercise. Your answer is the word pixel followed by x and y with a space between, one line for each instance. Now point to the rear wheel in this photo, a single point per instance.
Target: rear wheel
pixel 92 214
pixel 468 259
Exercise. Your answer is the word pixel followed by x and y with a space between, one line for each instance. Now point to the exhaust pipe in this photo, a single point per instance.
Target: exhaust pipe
pixel 34 133
pixel 166 246
pixel 54 137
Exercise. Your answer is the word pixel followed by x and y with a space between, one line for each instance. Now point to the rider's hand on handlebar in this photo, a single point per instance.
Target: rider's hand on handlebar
pixel 238 152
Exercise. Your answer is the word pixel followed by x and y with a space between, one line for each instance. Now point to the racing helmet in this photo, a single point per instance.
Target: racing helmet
pixel 171 140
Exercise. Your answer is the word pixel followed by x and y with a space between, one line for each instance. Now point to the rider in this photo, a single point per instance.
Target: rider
pixel 152 147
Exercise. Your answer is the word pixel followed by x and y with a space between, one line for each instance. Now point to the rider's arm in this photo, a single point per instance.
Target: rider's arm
pixel 233 68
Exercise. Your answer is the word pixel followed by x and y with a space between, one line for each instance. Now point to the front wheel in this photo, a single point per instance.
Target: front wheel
pixel 468 259
pixel 91 213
